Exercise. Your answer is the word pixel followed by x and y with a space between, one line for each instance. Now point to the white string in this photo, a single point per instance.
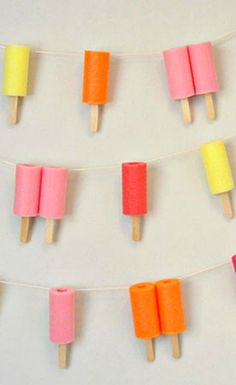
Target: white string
pixel 109 288
pixel 219 40
pixel 118 165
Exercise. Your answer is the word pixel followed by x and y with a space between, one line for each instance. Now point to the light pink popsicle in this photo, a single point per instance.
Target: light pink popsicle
pixel 179 74
pixel 27 190
pixel 203 68
pixel 62 315
pixel 53 192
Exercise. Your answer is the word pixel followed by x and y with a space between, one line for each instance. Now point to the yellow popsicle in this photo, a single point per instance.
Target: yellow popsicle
pixel 218 171
pixel 15 77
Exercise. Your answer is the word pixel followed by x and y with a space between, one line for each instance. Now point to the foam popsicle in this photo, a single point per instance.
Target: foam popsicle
pixel 204 74
pixel 15 78
pixel 234 262
pixel 53 197
pixel 134 186
pixel 27 193
pixel 62 321
pixel 95 85
pixel 218 171
pixel 171 311
pixel 145 314
pixel 179 76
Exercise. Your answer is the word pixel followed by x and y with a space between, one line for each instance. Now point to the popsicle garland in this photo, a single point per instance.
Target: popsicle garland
pixel 218 171
pixel 134 187
pixel 15 78
pixel 62 321
pixel 191 71
pixel 158 309
pixel 95 84
pixel 40 191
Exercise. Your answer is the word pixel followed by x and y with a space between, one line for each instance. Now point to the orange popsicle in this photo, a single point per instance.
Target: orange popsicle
pixel 171 311
pixel 95 86
pixel 145 314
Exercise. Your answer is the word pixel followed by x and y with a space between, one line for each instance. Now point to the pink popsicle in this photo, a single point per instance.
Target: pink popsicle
pixel 62 320
pixel 204 72
pixel 53 197
pixel 27 193
pixel 179 76
pixel 234 262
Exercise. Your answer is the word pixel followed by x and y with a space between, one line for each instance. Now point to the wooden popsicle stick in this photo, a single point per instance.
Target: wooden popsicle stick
pixel 150 350
pixel 186 110
pixel 210 106
pixel 136 228
pixel 226 202
pixel 49 231
pixel 175 346
pixel 14 109
pixel 24 229
pixel 94 117
pixel 62 356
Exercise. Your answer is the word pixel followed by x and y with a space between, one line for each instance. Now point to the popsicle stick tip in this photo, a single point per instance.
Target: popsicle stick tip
pixel 211 113
pixel 94 117
pixel 49 238
pixel 136 228
pixel 176 353
pixel 150 350
pixel 25 229
pixel 187 116
pixel 227 205
pixel 62 356
pixel 14 109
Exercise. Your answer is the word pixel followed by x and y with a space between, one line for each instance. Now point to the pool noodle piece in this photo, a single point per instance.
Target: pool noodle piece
pixel 27 194
pixel 62 321
pixel 171 311
pixel 218 171
pixel 204 73
pixel 234 262
pixel 95 84
pixel 134 188
pixel 53 197
pixel 145 314
pixel 179 76
pixel 15 79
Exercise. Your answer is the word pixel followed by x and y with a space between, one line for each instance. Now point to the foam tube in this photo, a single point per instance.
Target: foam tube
pixel 27 190
pixel 16 64
pixel 145 314
pixel 134 186
pixel 53 192
pixel 179 74
pixel 203 68
pixel 62 320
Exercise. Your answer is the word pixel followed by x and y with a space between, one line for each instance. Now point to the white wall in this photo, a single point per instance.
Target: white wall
pixel 185 229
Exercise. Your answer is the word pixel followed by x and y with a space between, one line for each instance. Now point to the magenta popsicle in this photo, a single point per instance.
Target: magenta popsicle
pixel 27 194
pixel 62 320
pixel 179 76
pixel 53 197
pixel 204 73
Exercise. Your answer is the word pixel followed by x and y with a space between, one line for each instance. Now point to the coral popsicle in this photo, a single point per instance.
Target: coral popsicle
pixel 134 187
pixel 204 73
pixel 15 78
pixel 95 85
pixel 62 321
pixel 27 194
pixel 171 311
pixel 179 76
pixel 218 171
pixel 53 197
pixel 145 314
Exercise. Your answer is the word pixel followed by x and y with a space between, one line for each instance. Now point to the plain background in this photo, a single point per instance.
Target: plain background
pixel 185 229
